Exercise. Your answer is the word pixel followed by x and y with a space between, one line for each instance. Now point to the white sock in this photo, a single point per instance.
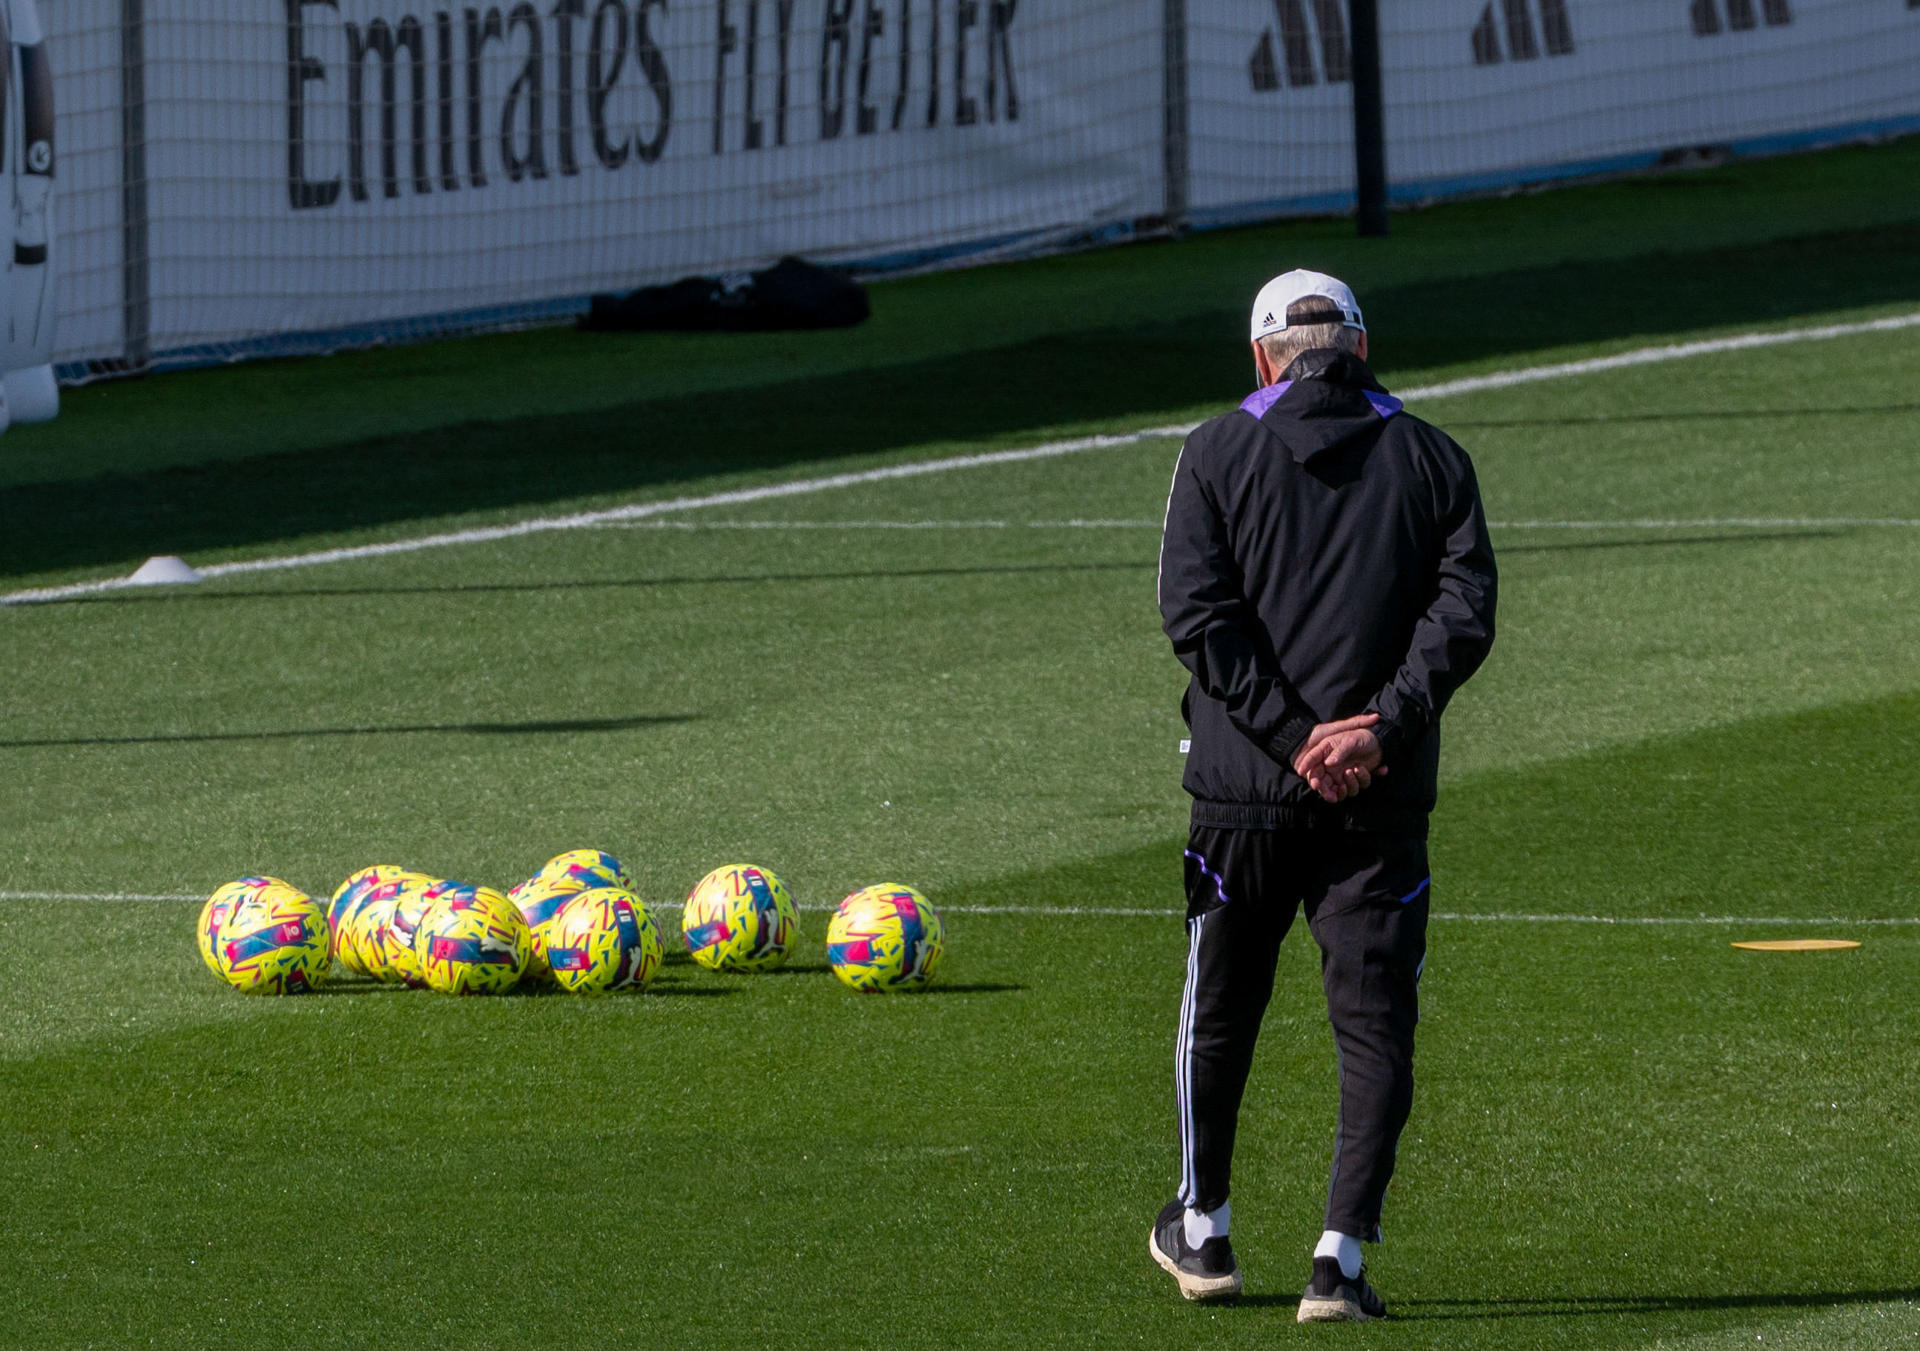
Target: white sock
pixel 1203 1225
pixel 1344 1248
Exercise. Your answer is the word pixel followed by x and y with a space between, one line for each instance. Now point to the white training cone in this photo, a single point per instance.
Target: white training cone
pixel 166 570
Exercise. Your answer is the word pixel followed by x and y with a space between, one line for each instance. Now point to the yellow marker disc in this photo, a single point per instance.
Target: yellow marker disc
pixel 1798 944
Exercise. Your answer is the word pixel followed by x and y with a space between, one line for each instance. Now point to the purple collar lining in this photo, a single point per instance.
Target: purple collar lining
pixel 1258 402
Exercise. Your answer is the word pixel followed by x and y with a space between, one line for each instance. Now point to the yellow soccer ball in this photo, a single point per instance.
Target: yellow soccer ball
pixel 471 941
pixel 273 942
pixel 410 904
pixel 603 939
pixel 367 932
pixel 886 937
pixel 740 918
pixel 369 884
pixel 588 867
pixel 221 904
pixel 539 900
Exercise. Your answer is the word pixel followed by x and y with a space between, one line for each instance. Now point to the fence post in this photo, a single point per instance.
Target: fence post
pixel 1174 130
pixel 135 281
pixel 1369 120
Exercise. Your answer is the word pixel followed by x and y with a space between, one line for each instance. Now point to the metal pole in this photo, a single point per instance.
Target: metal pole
pixel 1369 120
pixel 135 281
pixel 1174 133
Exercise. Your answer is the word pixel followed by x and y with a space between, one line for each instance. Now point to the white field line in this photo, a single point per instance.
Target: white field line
pixel 1162 912
pixel 633 511
pixel 1697 523
pixel 1715 522
pixel 874 525
pixel 800 487
pixel 1503 917
pixel 96 896
pixel 1648 356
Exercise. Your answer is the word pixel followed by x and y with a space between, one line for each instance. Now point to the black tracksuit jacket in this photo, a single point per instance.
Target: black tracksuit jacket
pixel 1325 554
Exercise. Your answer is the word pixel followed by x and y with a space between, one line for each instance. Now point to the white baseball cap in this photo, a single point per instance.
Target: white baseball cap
pixel 1270 306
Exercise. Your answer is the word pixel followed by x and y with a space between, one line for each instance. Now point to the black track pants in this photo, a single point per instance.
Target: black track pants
pixel 1366 899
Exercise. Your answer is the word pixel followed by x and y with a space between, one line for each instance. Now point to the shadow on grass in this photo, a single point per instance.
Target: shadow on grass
pixel 1701 415
pixel 1583 1306
pixel 620 453
pixel 1658 541
pixel 190 594
pixel 670 989
pixel 525 989
pixel 937 988
pixel 1413 1310
pixel 553 727
pixel 1146 876
pixel 982 396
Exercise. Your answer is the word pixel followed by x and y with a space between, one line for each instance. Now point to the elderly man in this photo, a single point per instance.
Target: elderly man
pixel 1326 577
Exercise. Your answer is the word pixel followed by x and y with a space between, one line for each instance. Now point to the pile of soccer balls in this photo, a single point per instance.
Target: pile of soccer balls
pixel 578 924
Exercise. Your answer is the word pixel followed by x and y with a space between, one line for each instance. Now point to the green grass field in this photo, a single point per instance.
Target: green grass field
pixel 1700 724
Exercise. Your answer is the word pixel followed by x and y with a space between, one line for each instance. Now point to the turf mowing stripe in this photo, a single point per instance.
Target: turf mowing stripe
pixel 633 511
pixel 1647 356
pixel 1142 912
pixel 800 487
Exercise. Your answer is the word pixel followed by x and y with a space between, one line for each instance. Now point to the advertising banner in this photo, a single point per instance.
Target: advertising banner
pixel 365 160
pixel 1482 94
pixel 248 176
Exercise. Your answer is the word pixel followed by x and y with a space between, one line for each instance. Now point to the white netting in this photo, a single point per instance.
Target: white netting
pixel 1484 94
pixel 507 160
pixel 219 195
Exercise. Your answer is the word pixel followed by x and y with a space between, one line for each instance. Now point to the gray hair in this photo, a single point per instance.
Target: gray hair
pixel 1282 347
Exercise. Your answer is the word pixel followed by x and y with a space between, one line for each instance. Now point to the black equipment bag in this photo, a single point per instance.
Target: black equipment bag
pixel 790 294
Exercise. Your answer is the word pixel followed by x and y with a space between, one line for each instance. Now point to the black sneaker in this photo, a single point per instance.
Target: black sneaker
pixel 1332 1297
pixel 1205 1272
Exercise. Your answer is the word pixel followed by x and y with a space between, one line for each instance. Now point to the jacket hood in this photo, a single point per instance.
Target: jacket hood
pixel 1325 398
